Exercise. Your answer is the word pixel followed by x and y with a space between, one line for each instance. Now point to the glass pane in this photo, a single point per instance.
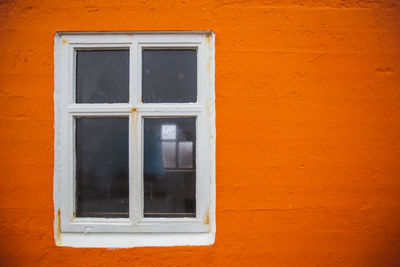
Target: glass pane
pixel 102 183
pixel 102 76
pixel 169 167
pixel 169 76
pixel 185 154
pixel 169 154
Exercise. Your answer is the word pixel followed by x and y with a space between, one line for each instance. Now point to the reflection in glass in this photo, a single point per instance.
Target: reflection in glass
pixel 102 76
pixel 185 154
pixel 168 132
pixel 102 167
pixel 169 154
pixel 169 76
pixel 169 167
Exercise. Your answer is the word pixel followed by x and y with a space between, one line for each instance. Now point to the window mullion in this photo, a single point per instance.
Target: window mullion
pixel 167 112
pixel 170 107
pixel 98 108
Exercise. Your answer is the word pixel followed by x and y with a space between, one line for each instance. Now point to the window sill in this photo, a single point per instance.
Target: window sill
pixel 129 240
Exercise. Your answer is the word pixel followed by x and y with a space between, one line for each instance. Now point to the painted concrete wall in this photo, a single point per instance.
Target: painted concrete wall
pixel 308 130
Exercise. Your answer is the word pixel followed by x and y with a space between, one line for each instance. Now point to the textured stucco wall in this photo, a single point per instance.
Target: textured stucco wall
pixel 308 130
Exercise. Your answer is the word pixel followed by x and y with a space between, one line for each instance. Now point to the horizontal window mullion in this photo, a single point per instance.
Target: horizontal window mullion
pixel 104 108
pixel 170 108
pixel 166 113
pixel 99 114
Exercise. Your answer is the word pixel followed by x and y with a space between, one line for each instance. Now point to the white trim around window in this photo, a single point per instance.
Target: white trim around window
pixel 134 230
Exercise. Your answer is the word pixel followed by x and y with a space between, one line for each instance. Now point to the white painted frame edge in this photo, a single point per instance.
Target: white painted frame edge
pixel 103 225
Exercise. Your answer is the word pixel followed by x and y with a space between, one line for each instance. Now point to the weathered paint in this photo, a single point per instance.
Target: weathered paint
pixel 308 130
pixel 207 216
pixel 58 228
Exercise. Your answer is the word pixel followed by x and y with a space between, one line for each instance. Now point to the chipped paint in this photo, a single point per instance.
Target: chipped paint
pixel 88 229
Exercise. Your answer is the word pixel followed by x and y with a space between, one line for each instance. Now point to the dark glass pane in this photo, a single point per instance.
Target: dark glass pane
pixel 102 76
pixel 170 167
pixel 102 183
pixel 169 76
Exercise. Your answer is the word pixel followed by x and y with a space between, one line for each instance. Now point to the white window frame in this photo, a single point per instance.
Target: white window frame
pixel 135 230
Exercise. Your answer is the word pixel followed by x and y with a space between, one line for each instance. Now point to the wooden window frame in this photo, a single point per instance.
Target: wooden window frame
pixel 126 232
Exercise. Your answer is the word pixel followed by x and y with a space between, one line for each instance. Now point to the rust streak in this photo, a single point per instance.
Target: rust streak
pixel 208 37
pixel 58 231
pixel 134 130
pixel 64 41
pixel 133 110
pixel 207 217
pixel 208 41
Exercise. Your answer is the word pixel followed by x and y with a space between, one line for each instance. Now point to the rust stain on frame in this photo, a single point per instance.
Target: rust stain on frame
pixel 134 126
pixel 208 38
pixel 133 111
pixel 58 230
pixel 208 41
pixel 64 41
pixel 207 216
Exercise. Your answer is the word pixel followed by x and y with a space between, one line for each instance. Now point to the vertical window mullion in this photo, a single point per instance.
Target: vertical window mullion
pixel 135 135
pixel 135 70
pixel 135 167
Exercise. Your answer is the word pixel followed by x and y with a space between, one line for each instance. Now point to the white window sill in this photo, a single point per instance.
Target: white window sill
pixel 129 240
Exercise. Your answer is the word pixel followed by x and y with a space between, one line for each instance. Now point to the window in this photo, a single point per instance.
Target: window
pixel 134 139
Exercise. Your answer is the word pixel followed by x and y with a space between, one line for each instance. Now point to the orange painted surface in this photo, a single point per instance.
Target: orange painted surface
pixel 308 130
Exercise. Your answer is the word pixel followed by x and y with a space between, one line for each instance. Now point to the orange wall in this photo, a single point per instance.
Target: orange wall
pixel 308 129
